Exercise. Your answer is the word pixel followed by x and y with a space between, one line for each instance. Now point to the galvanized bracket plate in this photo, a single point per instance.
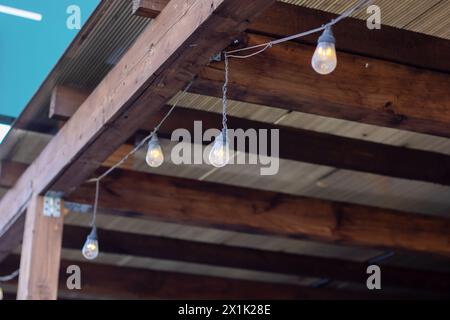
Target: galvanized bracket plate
pixel 52 204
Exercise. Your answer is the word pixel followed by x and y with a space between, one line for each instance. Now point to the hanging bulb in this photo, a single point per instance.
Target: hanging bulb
pixel 220 153
pixel 324 60
pixel 90 248
pixel 155 156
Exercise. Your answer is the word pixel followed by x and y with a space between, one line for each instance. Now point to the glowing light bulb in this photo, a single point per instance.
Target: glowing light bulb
pixel 220 152
pixel 90 248
pixel 155 156
pixel 324 60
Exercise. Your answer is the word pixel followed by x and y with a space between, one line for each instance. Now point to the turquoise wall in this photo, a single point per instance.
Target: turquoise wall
pixel 29 49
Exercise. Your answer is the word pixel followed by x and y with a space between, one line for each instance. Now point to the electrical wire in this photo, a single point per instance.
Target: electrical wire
pixel 267 45
pixel 132 152
pixel 227 54
pixel 9 277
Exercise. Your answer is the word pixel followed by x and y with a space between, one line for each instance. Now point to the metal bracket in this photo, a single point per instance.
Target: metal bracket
pixel 217 57
pixel 52 204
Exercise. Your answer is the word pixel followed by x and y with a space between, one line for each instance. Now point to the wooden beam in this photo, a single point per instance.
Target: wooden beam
pixel 10 172
pixel 125 243
pixel 361 89
pixel 237 208
pixel 318 148
pixel 166 56
pixel 149 8
pixel 41 251
pixel 329 150
pixel 65 101
pixel 108 281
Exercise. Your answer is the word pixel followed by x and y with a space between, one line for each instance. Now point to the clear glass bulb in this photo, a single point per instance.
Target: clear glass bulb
pixel 90 248
pixel 155 156
pixel 220 152
pixel 324 60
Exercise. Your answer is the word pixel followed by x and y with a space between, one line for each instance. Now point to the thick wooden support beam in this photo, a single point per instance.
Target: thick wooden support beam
pixel 10 172
pixel 231 207
pixel 124 243
pixel 149 8
pixel 361 89
pixel 330 150
pixel 166 56
pixel 317 148
pixel 65 101
pixel 108 281
pixel 41 251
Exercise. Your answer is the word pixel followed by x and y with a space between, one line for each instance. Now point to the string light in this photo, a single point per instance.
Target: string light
pixel 155 156
pixel 90 248
pixel 220 152
pixel 324 60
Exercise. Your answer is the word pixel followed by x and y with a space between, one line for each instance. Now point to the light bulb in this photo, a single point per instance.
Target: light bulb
pixel 220 152
pixel 90 248
pixel 324 60
pixel 155 156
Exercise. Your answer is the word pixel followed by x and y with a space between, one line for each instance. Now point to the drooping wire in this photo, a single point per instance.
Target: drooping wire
pixel 224 97
pixel 10 276
pixel 132 152
pixel 267 45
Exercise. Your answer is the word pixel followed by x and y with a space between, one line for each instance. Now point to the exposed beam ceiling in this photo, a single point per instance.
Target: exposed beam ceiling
pixel 317 148
pixel 168 53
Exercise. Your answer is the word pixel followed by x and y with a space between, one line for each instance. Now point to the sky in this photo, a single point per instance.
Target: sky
pixel 30 49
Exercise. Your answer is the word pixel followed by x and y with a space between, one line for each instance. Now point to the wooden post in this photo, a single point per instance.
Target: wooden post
pixel 41 252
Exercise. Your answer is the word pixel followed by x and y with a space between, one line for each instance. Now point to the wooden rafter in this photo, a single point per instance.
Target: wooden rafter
pixel 140 245
pixel 237 208
pixel 101 280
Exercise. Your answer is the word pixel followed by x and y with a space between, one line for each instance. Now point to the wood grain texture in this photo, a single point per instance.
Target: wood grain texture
pixel 40 257
pixel 236 208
